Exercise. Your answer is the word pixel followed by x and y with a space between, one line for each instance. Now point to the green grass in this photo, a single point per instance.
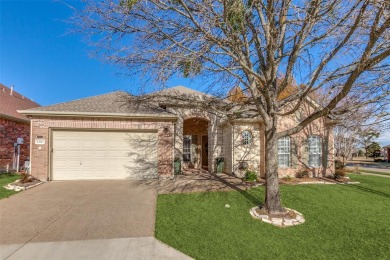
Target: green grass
pixel 376 172
pixel 342 222
pixel 5 179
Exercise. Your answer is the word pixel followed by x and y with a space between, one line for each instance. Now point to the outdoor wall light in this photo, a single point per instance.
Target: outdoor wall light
pixel 243 166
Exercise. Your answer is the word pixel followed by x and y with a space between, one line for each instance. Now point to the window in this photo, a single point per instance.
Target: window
pixel 186 148
pixel 246 137
pixel 314 143
pixel 284 151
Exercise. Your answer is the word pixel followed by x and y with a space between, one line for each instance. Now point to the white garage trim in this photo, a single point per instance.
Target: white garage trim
pixel 85 154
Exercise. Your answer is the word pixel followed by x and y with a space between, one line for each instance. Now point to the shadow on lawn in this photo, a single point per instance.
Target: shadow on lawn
pixel 380 193
pixel 244 193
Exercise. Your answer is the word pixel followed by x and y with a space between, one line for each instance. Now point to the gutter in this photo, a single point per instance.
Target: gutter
pixel 96 114
pixel 17 119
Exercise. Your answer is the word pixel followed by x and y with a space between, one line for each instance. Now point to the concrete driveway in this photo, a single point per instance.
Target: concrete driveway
pixel 79 219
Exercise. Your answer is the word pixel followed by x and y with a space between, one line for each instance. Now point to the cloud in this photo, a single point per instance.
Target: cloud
pixel 384 139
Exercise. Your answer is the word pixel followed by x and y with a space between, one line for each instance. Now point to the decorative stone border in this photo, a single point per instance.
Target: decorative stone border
pixel 279 222
pixel 13 186
pixel 325 182
pixel 349 182
pixel 316 182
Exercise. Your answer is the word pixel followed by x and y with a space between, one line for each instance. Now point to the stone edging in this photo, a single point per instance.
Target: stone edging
pixel 14 187
pixel 279 222
pixel 316 182
pixel 325 182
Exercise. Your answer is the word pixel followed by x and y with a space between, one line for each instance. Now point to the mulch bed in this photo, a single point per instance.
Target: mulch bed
pixel 299 180
pixel 26 184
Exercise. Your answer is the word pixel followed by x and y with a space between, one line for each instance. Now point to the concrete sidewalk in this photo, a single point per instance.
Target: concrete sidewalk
pixel 119 248
pixel 374 169
pixel 374 174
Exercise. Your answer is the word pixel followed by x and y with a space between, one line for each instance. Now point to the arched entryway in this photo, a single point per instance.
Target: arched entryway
pixel 195 143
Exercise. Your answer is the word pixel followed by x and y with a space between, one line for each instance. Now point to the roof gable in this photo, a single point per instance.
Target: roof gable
pixel 11 101
pixel 181 90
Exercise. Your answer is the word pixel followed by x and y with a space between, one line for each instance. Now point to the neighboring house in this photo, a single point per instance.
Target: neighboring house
pixel 385 151
pixel 102 137
pixel 358 152
pixel 12 126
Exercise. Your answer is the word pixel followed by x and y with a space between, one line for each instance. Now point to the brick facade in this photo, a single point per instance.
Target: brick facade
pixel 41 126
pixel 10 130
pixel 225 140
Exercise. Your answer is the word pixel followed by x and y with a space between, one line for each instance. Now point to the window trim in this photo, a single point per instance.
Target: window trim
pixel 288 146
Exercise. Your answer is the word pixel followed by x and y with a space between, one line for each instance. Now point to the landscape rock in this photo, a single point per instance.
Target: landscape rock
pixel 292 219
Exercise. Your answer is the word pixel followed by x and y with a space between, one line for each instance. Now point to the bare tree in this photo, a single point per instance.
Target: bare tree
pixel 367 137
pixel 350 129
pixel 341 46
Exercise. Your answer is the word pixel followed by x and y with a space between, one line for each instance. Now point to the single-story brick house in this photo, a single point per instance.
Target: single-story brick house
pixel 101 138
pixel 12 126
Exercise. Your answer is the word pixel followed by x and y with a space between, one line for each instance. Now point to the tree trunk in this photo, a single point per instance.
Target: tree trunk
pixel 325 153
pixel 272 195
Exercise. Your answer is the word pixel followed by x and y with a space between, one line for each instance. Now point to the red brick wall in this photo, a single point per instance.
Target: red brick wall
pixel 9 131
pixel 41 127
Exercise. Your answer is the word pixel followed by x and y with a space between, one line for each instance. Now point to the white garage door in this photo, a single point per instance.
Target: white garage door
pixel 81 155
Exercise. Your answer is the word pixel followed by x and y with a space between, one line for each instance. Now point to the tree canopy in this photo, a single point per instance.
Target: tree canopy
pixel 339 47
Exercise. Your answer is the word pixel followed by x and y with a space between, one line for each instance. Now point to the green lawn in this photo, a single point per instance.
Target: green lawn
pixel 342 222
pixel 4 180
pixel 376 172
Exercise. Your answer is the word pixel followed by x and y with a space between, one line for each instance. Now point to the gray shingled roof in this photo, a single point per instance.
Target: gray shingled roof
pixel 118 102
pixel 181 90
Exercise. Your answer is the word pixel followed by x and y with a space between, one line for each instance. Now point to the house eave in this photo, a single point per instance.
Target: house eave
pixel 96 114
pixel 16 119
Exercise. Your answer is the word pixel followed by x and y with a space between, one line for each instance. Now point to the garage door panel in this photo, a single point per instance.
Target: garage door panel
pixel 103 155
pixel 73 143
pixel 72 153
pixel 87 143
pixel 100 144
pixel 72 163
pixel 62 163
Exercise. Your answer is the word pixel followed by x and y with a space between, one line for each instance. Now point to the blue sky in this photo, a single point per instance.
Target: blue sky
pixel 48 64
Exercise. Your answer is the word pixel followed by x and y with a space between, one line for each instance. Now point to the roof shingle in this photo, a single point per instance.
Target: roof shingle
pixel 118 102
